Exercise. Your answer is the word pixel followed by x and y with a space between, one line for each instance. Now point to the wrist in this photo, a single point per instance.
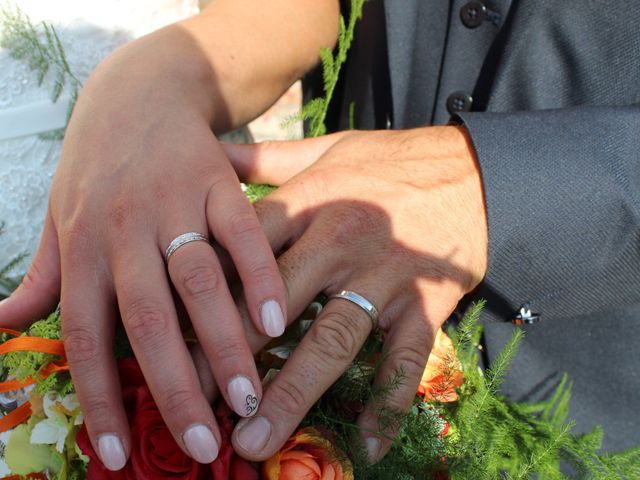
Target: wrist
pixel 456 170
pixel 478 238
pixel 164 67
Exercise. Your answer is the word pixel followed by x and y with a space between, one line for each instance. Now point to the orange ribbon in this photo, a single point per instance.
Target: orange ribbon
pixel 29 344
pixel 33 344
pixel 16 417
pixel 49 369
pixel 14 333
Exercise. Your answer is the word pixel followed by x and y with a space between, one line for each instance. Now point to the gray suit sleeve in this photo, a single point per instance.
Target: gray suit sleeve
pixel 562 191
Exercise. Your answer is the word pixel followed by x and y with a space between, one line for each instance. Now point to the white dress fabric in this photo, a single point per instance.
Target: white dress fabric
pixel 89 31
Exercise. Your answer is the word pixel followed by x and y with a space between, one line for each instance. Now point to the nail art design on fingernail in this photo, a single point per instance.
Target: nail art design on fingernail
pixel 242 395
pixel 252 405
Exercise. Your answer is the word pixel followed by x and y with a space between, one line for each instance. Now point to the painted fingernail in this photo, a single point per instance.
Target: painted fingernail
pixel 111 452
pixel 272 318
pixel 243 396
pixel 254 435
pixel 373 449
pixel 201 443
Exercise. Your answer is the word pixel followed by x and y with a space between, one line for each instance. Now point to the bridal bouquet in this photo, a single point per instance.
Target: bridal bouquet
pixel 459 427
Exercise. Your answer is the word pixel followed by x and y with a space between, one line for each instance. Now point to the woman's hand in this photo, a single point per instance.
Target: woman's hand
pixel 140 166
pixel 395 216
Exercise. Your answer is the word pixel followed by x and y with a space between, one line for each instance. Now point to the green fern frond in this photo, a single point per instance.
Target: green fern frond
pixel 500 366
pixel 542 457
pixel 333 66
pixel 315 111
pixel 466 337
pixel 23 40
pixel 328 65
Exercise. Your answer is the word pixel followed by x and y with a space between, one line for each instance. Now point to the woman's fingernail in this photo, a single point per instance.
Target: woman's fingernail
pixel 243 396
pixel 373 449
pixel 201 443
pixel 111 452
pixel 254 435
pixel 272 318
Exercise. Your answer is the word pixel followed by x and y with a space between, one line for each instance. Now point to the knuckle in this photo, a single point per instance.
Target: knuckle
pixel 121 213
pixel 99 415
pixel 350 223
pixel 243 225
pixel 287 397
pixel 262 270
pixel 228 349
pixel 76 236
pixel 335 337
pixel 81 344
pixel 268 147
pixel 199 280
pixel 97 410
pixel 411 357
pixel 176 401
pixel 145 322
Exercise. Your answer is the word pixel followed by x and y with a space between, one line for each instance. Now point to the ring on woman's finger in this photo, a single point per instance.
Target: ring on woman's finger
pixel 360 301
pixel 182 240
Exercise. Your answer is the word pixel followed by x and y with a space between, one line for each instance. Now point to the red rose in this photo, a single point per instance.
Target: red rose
pixel 155 454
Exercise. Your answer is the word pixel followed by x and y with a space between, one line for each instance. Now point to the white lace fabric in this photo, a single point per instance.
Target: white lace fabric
pixel 88 31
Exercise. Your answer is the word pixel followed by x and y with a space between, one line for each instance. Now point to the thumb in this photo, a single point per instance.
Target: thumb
pixel 275 162
pixel 39 292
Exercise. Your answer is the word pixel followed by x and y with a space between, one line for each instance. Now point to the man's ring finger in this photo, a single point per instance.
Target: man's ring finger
pixel 360 301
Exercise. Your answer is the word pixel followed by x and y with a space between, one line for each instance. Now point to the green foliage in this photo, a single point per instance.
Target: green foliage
pixel 496 438
pixel 331 67
pixel 39 46
pixel 315 111
pixel 256 192
pixel 23 364
pixel 490 437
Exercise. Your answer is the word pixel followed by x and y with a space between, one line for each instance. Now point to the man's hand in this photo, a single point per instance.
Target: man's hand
pixel 396 216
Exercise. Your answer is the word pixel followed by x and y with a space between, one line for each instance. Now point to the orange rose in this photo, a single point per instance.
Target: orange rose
pixel 442 375
pixel 307 454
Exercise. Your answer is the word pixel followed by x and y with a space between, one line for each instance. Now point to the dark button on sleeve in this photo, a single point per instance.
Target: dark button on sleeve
pixel 459 102
pixel 473 14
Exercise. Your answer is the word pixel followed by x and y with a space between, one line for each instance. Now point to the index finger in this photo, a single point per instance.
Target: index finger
pixel 324 354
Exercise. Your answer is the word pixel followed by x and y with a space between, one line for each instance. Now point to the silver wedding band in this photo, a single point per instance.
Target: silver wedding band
pixel 360 301
pixel 182 240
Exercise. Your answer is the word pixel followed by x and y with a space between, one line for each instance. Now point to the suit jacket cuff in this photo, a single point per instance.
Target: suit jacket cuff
pixel 563 208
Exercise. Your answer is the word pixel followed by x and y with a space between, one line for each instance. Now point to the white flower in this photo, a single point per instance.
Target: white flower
pixel 4 468
pixel 61 417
